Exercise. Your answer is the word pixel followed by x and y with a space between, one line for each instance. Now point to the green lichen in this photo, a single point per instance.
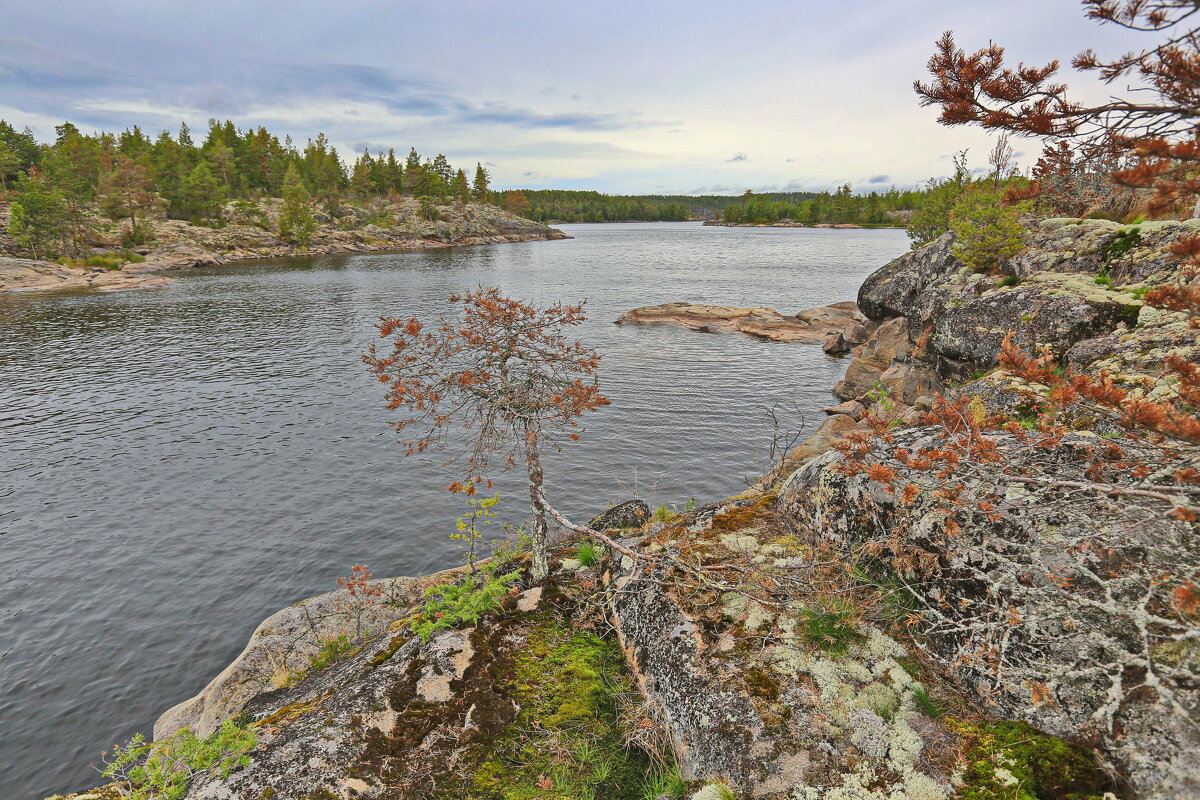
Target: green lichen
pixel 566 742
pixel 1012 761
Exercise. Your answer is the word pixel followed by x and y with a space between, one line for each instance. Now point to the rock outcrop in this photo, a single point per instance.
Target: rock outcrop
pixel 1075 281
pixel 810 326
pixel 22 274
pixel 250 234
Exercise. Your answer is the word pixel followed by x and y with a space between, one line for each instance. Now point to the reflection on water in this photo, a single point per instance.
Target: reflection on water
pixel 178 463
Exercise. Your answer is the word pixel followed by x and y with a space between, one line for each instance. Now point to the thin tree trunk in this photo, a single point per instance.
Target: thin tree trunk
pixel 538 536
pixel 1196 209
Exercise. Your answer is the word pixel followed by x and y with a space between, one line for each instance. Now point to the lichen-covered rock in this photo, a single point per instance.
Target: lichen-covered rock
pixel 1078 655
pixel 1052 310
pixel 284 644
pixel 896 290
pixel 630 514
pixel 750 695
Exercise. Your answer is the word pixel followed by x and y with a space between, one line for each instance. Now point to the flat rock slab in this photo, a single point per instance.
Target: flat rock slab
pixel 811 326
pixel 27 275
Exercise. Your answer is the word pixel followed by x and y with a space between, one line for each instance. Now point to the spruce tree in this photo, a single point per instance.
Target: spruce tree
pixel 296 221
pixel 480 186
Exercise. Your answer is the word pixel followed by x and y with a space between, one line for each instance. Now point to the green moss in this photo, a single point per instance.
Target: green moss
pixel 1120 244
pixel 566 742
pixel 1012 761
pixel 761 684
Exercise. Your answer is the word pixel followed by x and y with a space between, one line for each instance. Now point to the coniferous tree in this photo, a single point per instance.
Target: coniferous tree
pixel 479 188
pixel 200 194
pixel 296 221
pixel 37 215
pixel 459 187
pixel 125 193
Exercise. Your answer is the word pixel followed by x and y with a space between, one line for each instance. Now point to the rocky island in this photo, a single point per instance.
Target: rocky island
pixel 849 628
pixel 251 231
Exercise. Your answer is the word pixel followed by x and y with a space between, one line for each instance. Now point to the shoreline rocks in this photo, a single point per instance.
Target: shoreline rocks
pixel 181 245
pixel 810 326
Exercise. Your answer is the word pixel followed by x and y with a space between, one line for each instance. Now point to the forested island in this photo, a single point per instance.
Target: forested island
pixel 100 210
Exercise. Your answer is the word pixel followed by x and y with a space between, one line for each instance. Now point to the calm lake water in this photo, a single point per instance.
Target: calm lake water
pixel 176 464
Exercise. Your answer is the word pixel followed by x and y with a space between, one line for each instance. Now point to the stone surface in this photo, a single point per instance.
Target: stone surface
pixel 284 644
pixel 1154 741
pixel 1054 311
pixel 813 326
pixel 630 514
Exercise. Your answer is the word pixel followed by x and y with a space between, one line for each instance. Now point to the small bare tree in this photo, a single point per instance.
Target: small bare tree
pixel 503 373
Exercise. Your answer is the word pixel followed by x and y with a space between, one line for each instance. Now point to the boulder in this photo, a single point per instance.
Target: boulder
pixel 896 289
pixel 837 345
pixel 630 514
pixel 889 341
pixel 851 408
pixel 861 376
pixel 1054 311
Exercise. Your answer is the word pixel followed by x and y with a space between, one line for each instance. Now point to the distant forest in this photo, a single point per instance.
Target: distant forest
pixel 810 208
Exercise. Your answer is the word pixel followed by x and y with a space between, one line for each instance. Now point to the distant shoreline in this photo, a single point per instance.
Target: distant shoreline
pixel 825 225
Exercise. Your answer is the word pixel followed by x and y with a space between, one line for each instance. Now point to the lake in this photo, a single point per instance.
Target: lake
pixel 176 464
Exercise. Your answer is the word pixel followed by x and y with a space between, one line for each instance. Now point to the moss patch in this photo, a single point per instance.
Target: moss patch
pixel 566 741
pixel 1012 761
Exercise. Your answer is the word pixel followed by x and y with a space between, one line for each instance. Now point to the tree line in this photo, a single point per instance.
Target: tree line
pixel 842 206
pixel 55 186
pixel 568 205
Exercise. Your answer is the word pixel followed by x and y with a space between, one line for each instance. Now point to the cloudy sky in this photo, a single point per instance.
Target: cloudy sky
pixel 631 96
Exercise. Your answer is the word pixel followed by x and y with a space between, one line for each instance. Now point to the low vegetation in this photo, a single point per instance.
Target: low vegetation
pixel 163 770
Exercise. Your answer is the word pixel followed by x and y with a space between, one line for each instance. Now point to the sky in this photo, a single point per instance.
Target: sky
pixel 620 96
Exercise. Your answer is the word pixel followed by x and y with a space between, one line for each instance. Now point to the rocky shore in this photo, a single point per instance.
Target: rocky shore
pixel 252 234
pixel 827 635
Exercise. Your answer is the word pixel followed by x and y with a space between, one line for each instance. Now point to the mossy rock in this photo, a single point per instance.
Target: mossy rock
pixel 1013 761
pixel 566 742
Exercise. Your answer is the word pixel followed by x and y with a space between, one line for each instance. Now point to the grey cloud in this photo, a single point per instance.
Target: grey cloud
pixel 718 188
pixel 877 179
pixel 738 157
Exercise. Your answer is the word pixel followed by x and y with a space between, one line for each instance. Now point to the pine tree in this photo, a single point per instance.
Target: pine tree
pixel 296 221
pixel 200 194
pixel 125 193
pixel 10 162
pixel 37 215
pixel 480 187
pixel 459 187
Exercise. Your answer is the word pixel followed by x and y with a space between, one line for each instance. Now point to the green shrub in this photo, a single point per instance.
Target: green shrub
pixel 588 553
pixel 163 770
pixel 664 514
pixel 332 650
pixel 105 261
pixel 987 233
pixel 463 601
pixel 1010 280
